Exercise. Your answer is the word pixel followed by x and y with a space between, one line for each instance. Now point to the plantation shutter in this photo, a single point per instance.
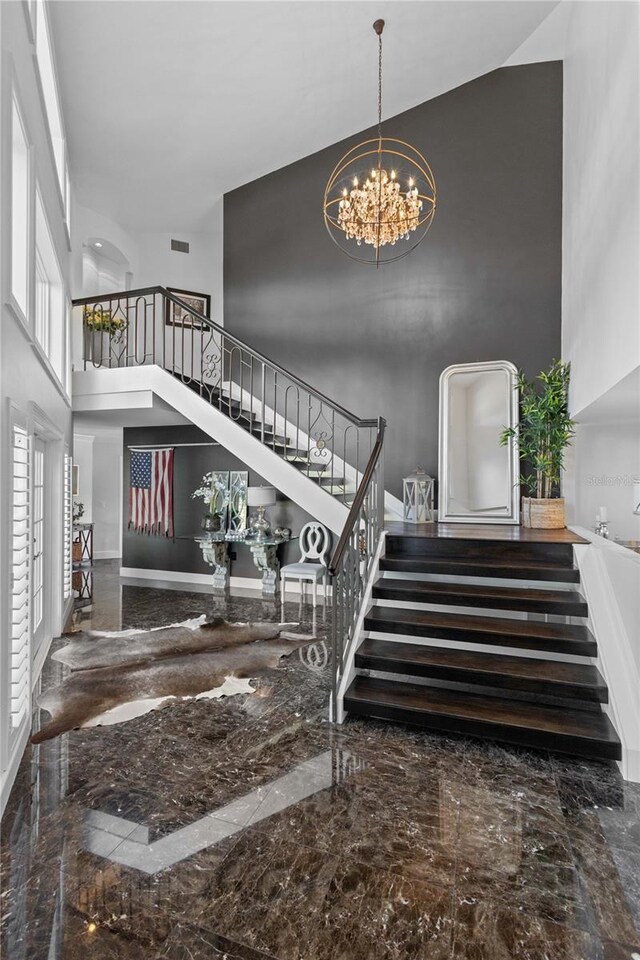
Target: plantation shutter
pixel 68 522
pixel 20 577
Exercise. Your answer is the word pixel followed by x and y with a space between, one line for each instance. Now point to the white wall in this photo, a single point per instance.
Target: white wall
pixel 87 223
pixel 150 256
pixel 601 258
pixel 83 460
pixel 200 270
pixel 107 494
pixel 150 262
pixel 601 200
pixel 26 378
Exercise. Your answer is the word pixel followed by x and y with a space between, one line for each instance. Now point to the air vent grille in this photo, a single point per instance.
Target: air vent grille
pixel 180 246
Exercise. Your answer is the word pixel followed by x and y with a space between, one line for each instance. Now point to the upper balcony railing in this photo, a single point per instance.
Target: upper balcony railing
pixel 153 326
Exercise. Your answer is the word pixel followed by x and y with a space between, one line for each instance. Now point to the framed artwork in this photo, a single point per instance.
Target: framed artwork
pixel 179 317
pixel 75 482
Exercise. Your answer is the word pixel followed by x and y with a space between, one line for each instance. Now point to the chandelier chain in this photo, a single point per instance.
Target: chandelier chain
pixel 380 86
pixel 380 192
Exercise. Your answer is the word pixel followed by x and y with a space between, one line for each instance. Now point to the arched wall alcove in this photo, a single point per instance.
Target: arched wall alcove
pixel 105 269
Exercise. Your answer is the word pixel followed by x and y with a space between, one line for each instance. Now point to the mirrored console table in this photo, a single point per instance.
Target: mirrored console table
pixel 216 553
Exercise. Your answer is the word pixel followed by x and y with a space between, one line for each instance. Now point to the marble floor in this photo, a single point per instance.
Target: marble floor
pixel 249 829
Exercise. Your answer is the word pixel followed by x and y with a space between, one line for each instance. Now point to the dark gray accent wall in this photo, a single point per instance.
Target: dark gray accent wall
pixel 485 284
pixel 190 464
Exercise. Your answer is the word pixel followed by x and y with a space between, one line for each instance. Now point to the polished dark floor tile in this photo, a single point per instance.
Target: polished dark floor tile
pixel 370 914
pixel 490 931
pixel 249 828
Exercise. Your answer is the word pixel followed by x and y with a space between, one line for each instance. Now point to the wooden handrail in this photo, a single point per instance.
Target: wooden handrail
pixel 361 493
pixel 147 291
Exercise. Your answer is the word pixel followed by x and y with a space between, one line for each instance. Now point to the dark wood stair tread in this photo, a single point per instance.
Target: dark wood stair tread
pixel 498 631
pixel 557 677
pixel 585 732
pixel 523 570
pixel 568 602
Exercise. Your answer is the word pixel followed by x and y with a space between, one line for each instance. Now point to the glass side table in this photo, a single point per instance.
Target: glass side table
pixel 215 553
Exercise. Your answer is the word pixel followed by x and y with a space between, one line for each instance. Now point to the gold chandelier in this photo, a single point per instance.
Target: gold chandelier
pixel 382 192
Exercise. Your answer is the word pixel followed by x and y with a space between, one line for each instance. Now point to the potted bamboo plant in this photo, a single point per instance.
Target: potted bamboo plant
pixel 543 433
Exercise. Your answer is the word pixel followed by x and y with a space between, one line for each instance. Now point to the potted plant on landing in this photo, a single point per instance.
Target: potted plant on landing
pixel 101 326
pixel 543 433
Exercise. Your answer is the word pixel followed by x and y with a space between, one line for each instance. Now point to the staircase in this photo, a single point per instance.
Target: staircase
pixel 472 632
pixel 468 630
pixel 323 471
pixel 149 343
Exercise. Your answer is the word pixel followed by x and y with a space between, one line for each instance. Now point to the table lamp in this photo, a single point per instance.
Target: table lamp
pixel 261 498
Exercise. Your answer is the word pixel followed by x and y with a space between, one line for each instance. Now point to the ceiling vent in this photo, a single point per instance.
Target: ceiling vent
pixel 180 246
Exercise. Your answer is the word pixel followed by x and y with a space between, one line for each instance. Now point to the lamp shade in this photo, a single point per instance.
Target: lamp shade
pixel 261 496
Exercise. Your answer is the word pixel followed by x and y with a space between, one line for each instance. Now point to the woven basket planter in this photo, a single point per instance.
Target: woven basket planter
pixel 543 513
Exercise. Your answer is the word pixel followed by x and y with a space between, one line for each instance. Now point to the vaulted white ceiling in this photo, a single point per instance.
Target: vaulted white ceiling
pixel 169 104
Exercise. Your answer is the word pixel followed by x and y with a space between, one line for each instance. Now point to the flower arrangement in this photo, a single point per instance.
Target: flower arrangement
pixel 78 510
pixel 100 320
pixel 212 488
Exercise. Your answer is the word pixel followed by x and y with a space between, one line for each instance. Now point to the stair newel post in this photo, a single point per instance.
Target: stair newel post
pixel 382 423
pixel 336 589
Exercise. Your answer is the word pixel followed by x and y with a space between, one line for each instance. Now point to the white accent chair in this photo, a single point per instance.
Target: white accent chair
pixel 314 559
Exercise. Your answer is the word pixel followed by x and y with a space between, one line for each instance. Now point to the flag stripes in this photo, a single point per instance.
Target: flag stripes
pixel 151 491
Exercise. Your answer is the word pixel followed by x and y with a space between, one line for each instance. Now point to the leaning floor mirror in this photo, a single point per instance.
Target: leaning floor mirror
pixel 478 477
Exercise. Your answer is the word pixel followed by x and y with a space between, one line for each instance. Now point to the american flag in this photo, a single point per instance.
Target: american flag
pixel 151 491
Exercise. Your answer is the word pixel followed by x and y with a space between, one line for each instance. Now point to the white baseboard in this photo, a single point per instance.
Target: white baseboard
pixel 205 579
pixel 171 576
pixel 107 555
pixel 8 776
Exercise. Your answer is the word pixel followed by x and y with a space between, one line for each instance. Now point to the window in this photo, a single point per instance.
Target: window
pixel 68 526
pixel 42 304
pixel 20 577
pixel 19 211
pixel 44 51
pixel 50 301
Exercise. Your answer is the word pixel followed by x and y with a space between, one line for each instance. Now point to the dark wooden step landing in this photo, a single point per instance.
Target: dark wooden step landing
pixel 529 600
pixel 482 543
pixel 555 678
pixel 574 639
pixel 462 567
pixel 580 732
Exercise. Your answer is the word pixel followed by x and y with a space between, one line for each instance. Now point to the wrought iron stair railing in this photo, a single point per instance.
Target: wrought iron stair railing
pixel 352 563
pixel 327 443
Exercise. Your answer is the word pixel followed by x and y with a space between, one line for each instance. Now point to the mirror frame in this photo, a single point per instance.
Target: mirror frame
pixel 513 516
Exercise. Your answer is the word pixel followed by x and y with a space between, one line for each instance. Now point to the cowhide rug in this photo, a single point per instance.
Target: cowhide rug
pixel 143 669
